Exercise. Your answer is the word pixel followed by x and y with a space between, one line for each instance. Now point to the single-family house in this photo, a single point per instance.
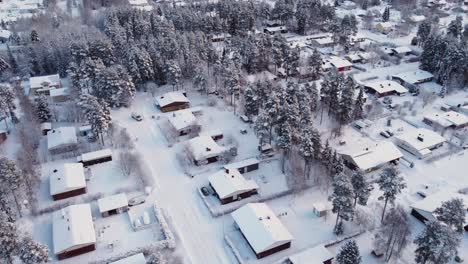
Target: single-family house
pixel 275 30
pixel 262 229
pixel 172 101
pixel 412 79
pixel 141 5
pixel 73 231
pixel 348 5
pixel 417 18
pixel 450 119
pixel 204 150
pixel 43 84
pixel 133 259
pixel 4 35
pixel 315 255
pixel 402 51
pixel 419 142
pixel 95 157
pixel 384 88
pixel 67 180
pixel 230 185
pixel 3 135
pixel 424 209
pixel 367 56
pixel 220 37
pixel 340 64
pixel 371 158
pixel 62 139
pixel 114 204
pixel 183 122
pixel 384 27
pixel 244 166
pixel 323 42
pixel 59 95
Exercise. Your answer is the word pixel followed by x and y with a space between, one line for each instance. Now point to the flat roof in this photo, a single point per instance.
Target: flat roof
pixel 61 136
pixel 59 92
pixel 95 155
pixel 72 227
pixel 204 147
pixel 261 227
pixel 68 177
pixel 112 202
pixel 374 156
pixel 414 77
pixel 339 62
pixel 170 98
pixel 385 86
pixel 134 259
pixel 315 255
pixel 421 138
pixel 182 119
pixel 242 163
pixel 449 118
pixel 231 182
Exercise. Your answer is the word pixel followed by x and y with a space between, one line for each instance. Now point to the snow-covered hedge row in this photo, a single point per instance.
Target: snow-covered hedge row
pixel 168 235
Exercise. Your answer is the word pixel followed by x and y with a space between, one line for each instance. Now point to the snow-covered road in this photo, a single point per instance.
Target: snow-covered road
pixel 201 235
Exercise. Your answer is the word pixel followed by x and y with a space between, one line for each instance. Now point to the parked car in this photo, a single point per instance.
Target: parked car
pixel 266 150
pixel 245 118
pixel 137 200
pixel 243 131
pixel 387 100
pixel 137 116
pixel 390 133
pixel 205 191
pixel 385 134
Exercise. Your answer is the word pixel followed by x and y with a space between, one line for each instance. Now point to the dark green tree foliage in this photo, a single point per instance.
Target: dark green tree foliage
pixel 349 253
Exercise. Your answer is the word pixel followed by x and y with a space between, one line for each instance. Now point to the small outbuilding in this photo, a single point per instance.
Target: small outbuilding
pixel 183 122
pixel 315 255
pixel 262 229
pixel 73 231
pixel 67 181
pixel 371 158
pixel 59 95
pixel 384 88
pixel 230 185
pixel 420 142
pixel 62 139
pixel 244 166
pixel 172 101
pixel 321 209
pixel 114 204
pixel 45 128
pixel 95 157
pixel 275 30
pixel 204 150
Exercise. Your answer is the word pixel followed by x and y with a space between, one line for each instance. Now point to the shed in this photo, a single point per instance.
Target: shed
pixel 133 259
pixel 372 157
pixel 172 101
pixel 230 185
pixel 204 150
pixel 321 209
pixel 46 127
pixel 384 27
pixel 73 231
pixel 244 166
pixel 67 181
pixel 95 157
pixel 62 139
pixel 262 229
pixel 59 95
pixel 420 142
pixel 315 255
pixel 417 18
pixel 114 204
pixel 275 30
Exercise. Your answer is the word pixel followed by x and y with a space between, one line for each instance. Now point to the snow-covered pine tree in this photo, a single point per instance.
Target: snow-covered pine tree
pixel 306 150
pixel 9 240
pixel 316 144
pixel 97 113
pixel 342 198
pixel 394 234
pixel 358 110
pixel 436 244
pixel 391 184
pixel 361 188
pixel 34 36
pixel 3 65
pixel 314 63
pixel 7 103
pixel 337 165
pixel 349 253
pixel 115 86
pixel 455 27
pixel 42 109
pixel 452 213
pixel 32 252
pixel 250 102
pixel 345 111
pixel 11 180
pixel 172 73
pixel 326 156
pixel 262 127
pixel 284 141
pixel 424 30
pixel 386 14
pixel 313 96
pixel 364 4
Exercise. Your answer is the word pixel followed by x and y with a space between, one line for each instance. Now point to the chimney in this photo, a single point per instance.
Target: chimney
pixel 420 138
pixel 208 149
pixel 55 170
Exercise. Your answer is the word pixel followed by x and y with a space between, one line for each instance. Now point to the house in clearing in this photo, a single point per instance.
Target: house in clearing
pixel 323 42
pixel 172 101
pixel 204 150
pixel 73 231
pixel 275 30
pixel 450 119
pixel 384 27
pixel 262 229
pixel 142 5
pixel 384 88
pixel 230 185
pixel 315 255
pixel 424 209
pixel 114 204
pixel 43 84
pixel 402 51
pixel 340 64
pixel 420 142
pixel 62 139
pixel 59 95
pixel 183 122
pixel 412 79
pixel 134 259
pixel 371 158
pixel 417 18
pixel 67 181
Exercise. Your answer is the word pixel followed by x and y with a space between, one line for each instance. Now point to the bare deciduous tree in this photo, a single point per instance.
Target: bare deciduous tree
pixel 128 162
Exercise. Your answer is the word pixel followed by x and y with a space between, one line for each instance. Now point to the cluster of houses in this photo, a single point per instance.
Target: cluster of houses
pixel 12 10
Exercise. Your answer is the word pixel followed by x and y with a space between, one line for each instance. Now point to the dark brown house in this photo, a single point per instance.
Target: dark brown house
pixel 67 181
pixel 172 101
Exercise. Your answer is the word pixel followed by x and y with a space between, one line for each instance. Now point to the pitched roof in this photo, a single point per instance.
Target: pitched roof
pixel 112 202
pixel 385 86
pixel 261 227
pixel 51 80
pixel 170 98
pixel 421 138
pixel 67 178
pixel 315 255
pixel 61 136
pixel 230 182
pixel 181 119
pixel 204 147
pixel 414 77
pixel 339 62
pixel 402 49
pixel 433 201
pixel 72 226
pixel 374 156
pixel 449 118
pixel 241 164
pixel 134 259
pixel 94 155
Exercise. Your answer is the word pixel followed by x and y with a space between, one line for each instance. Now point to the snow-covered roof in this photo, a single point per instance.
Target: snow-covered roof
pixel 324 41
pixel 433 201
pixel 211 133
pixel 276 29
pixel 59 92
pixel 112 202
pixel 242 163
pixel 49 80
pixel 5 33
pixel 46 126
pixel 385 25
pixel 67 178
pixel 204 147
pixel 416 18
pixel 134 259
pixel 62 136
pixel 402 49
pixel 447 119
pixel 170 98
pixel 414 77
pixel 182 119
pixel 230 182
pixel 421 138
pixel 322 206
pixel 72 227
pixel 353 57
pixel 385 86
pixel 374 156
pixel 95 155
pixel 84 128
pixel 261 227
pixel 315 255
pixel 339 62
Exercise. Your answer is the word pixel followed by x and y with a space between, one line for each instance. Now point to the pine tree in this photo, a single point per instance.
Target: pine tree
pixel 327 155
pixel 349 253
pixel 365 4
pixel 42 109
pixel 172 73
pixel 391 184
pixel 436 244
pixel 262 127
pixel 455 27
pixel 7 101
pixel 284 141
pixel 9 240
pixel 452 213
pixel 361 188
pixel 342 198
pixel 424 30
pixel 345 112
pixel 316 144
pixel 11 180
pixel 3 65
pixel 250 102
pixel 34 36
pixel 115 86
pixel 97 113
pixel 31 252
pixel 386 14
pixel 358 110
pixel 306 150
pixel 314 63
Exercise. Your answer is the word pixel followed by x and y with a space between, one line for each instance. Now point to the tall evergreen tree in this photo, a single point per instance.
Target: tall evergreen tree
pixel 342 198
pixel 361 188
pixel 436 244
pixel 32 252
pixel 391 184
pixel 349 253
pixel 9 240
pixel 42 109
pixel 452 213
pixel 358 110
